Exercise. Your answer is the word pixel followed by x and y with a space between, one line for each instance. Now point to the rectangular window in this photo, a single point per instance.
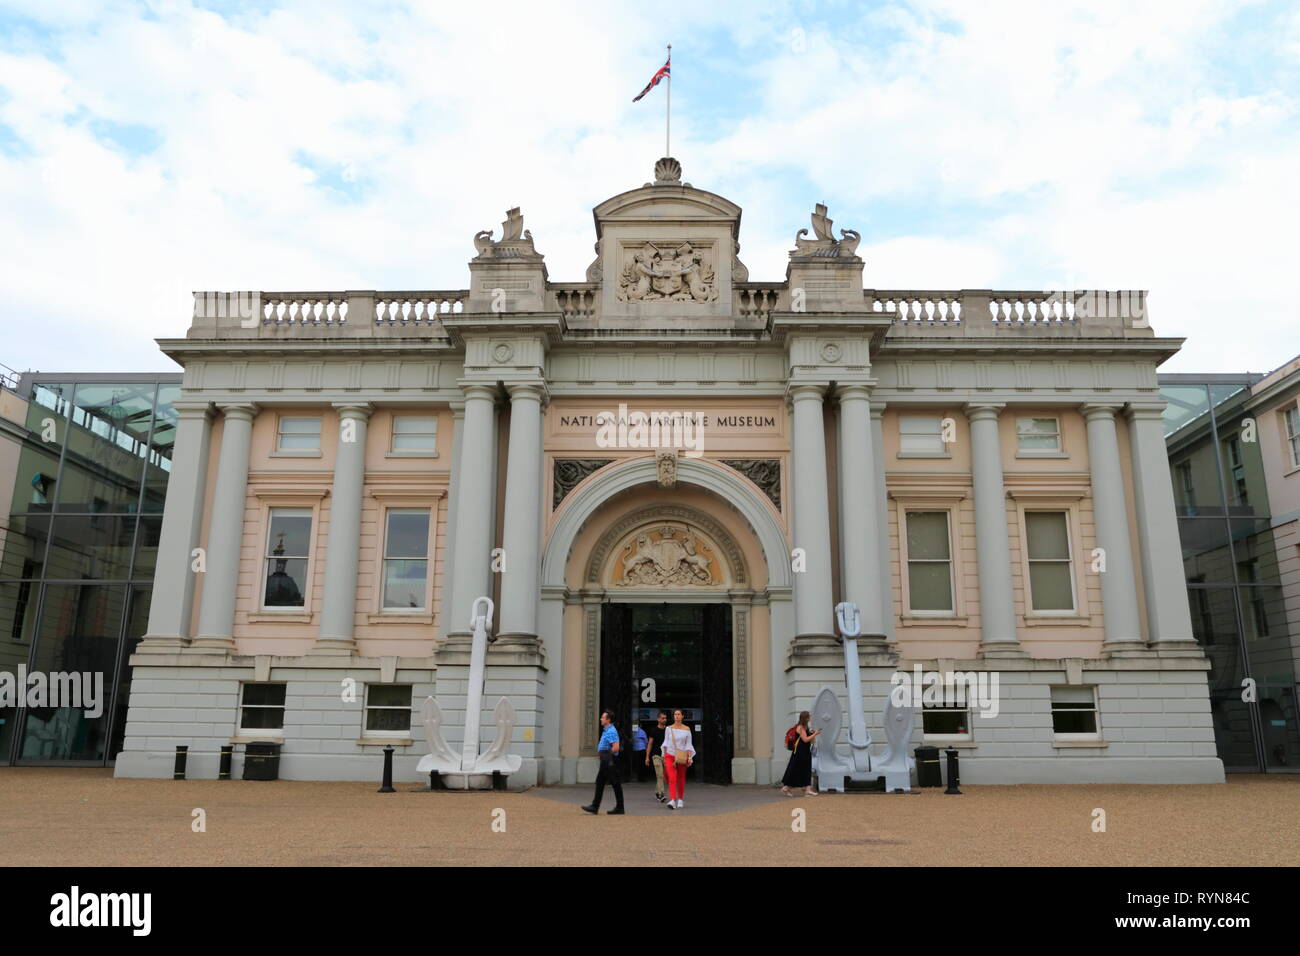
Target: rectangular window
pixel 388 708
pixel 929 561
pixel 415 433
pixel 1247 573
pixel 921 434
pixel 1292 419
pixel 1237 470
pixel 1188 487
pixel 940 721
pixel 1051 580
pixel 286 560
pixel 406 559
pixel 298 434
pixel 1074 711
pixel 1038 434
pixel 262 707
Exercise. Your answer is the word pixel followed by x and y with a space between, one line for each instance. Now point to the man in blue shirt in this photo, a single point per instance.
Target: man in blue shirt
pixel 607 750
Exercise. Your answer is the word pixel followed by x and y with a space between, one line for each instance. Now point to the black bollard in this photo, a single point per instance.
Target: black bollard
pixel 227 753
pixel 951 753
pixel 388 771
pixel 498 780
pixel 178 772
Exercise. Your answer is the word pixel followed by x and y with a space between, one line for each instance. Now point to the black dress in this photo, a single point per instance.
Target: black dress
pixel 798 772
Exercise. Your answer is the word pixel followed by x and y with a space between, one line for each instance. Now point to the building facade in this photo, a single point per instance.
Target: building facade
pixel 667 475
pixel 1234 459
pixel 84 464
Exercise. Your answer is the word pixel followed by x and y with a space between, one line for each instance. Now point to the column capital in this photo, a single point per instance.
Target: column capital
pixel 526 390
pixel 478 390
pixel 853 392
pixel 806 391
pixel 239 411
pixel 193 409
pixel 1145 411
pixel 983 411
pixel 1095 411
pixel 354 410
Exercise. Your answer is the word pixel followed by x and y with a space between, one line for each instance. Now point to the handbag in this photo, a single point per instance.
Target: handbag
pixel 680 757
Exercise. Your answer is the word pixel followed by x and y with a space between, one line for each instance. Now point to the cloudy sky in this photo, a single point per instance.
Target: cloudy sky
pixel 149 149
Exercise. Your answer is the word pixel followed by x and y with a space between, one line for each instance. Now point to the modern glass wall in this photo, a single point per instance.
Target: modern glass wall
pixel 1231 560
pixel 77 552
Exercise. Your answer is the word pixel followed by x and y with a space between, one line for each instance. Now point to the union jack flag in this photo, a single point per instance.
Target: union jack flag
pixel 654 80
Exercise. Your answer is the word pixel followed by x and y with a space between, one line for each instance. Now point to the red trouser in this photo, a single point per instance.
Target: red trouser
pixel 676 774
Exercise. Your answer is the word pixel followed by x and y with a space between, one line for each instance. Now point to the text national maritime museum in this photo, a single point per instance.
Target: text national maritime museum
pixel 666 476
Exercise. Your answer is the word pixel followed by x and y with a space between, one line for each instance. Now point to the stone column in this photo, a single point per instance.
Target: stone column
pixel 1169 619
pixel 523 517
pixel 814 613
pixel 997 604
pixel 172 605
pixel 1118 590
pixel 882 520
pixel 860 530
pixel 475 500
pixel 342 549
pixel 226 532
pixel 449 545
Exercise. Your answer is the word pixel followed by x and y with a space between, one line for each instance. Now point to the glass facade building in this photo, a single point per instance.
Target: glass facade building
pixel 77 552
pixel 1232 562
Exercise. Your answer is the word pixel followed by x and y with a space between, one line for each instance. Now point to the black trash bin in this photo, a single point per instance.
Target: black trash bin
pixel 262 761
pixel 927 767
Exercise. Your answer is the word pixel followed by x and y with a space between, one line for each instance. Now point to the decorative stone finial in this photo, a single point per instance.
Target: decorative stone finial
pixel 826 245
pixel 516 241
pixel 668 172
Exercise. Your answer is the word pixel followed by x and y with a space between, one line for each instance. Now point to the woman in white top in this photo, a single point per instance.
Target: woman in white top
pixel 679 753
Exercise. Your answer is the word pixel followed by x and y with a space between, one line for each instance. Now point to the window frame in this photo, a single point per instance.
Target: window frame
pixel 395 452
pixel 279 451
pixel 952 588
pixel 967 737
pixel 942 451
pixel 947 499
pixel 253 732
pixel 1058 499
pixel 271 496
pixel 1094 737
pixel 1290 435
pixel 1057 452
pixel 388 511
pixel 382 499
pixel 367 707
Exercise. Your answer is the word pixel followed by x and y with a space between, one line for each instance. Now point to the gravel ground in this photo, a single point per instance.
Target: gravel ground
pixel 78 817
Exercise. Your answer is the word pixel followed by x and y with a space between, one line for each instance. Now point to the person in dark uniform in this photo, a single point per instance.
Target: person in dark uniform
pixel 654 756
pixel 798 772
pixel 607 750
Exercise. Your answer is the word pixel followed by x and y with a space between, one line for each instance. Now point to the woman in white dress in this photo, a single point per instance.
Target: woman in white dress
pixel 679 753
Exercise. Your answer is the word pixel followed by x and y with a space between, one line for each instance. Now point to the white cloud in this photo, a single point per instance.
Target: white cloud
pixel 1010 145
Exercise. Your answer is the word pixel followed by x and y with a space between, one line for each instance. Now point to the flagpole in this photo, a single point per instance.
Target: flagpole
pixel 668 106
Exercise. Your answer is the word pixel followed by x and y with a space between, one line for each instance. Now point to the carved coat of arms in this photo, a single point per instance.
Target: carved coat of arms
pixel 669 557
pixel 672 273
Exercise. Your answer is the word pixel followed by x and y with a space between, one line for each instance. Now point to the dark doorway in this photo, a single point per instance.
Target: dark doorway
pixel 670 656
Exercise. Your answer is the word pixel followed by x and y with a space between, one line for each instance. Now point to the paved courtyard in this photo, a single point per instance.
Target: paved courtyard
pixel 74 817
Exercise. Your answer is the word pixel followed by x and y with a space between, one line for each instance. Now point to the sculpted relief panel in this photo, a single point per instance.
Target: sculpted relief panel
pixel 667 271
pixel 666 555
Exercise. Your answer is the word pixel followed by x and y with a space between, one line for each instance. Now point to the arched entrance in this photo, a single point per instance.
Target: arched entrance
pixel 668 596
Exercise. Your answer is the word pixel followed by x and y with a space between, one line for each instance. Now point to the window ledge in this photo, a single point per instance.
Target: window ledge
pixel 385 742
pixel 1049 620
pixel 424 618
pixel 410 454
pixel 1042 454
pixel 248 737
pixel 280 617
pixel 1079 744
pixel 943 743
pixel 939 620
pixel 924 454
pixel 294 454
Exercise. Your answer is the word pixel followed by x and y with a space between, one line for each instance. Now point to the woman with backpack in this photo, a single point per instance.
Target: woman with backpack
pixel 798 772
